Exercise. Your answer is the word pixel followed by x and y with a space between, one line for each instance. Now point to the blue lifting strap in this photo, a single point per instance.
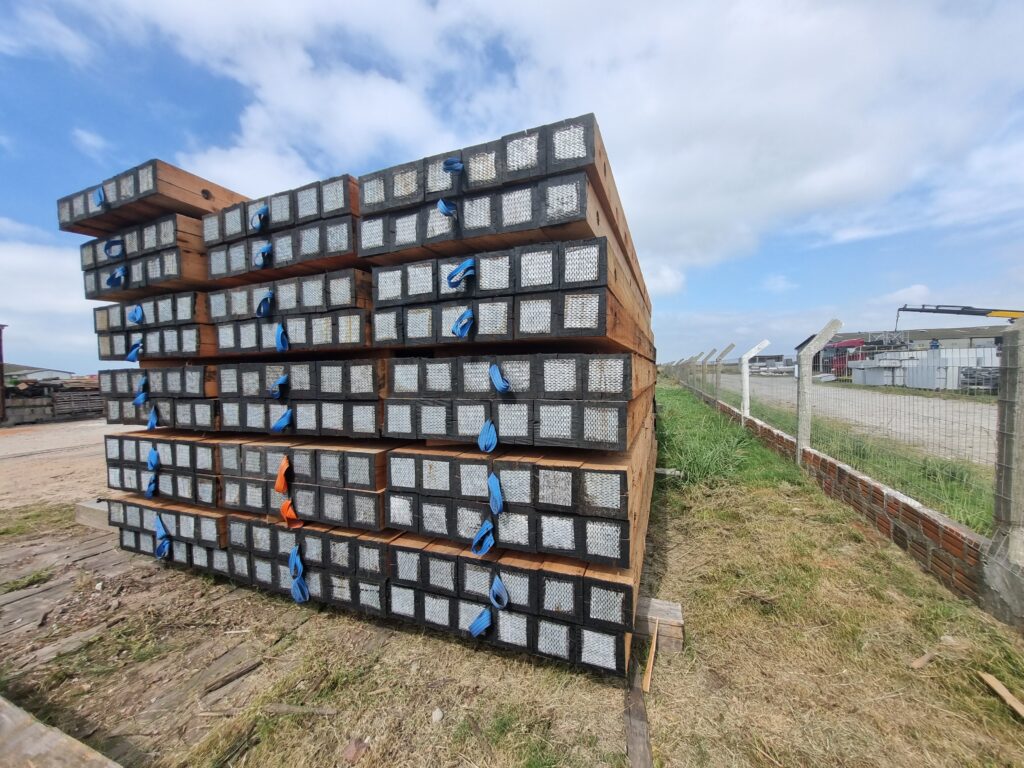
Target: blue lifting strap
pixel 498 379
pixel 143 381
pixel 257 220
pixel 487 440
pixel 484 539
pixel 447 209
pixel 163 540
pixel 300 592
pixel 136 315
pixel 281 338
pixel 463 323
pixel 481 623
pixel 283 422
pixel 117 277
pixel 453 165
pixel 261 258
pixel 153 419
pixel 497 501
pixel 140 398
pixel 134 352
pixel 99 196
pixel 499 595
pixel 153 459
pixel 263 308
pixel 109 246
pixel 461 272
pixel 275 389
pixel 151 487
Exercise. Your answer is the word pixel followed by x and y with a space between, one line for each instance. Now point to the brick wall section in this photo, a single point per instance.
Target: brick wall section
pixel 947 550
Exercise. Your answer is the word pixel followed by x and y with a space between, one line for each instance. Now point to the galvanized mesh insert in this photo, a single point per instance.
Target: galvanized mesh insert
pixel 372 190
pixel 518 587
pixel 207 529
pixel 560 375
pixel 407 565
pixel 600 425
pixel 436 475
pixel 307 202
pixel 371 233
pixel 170 338
pixel 153 269
pixel 219 560
pixel 439 225
pixel 339 290
pixel 469 419
pixel 218 261
pixel 330 464
pixel 467 521
pixel 236 257
pixel 147 545
pixel 315 585
pixel 475 377
pixel 149 237
pixel 385 325
pixel 476 579
pixel 255 496
pixel 512 629
pixel 522 153
pixel 357 470
pixel 557 533
pixel 433 420
pixel 312 293
pixel 332 416
pixel 230 414
pixel 606 375
pixel 361 379
pixel 562 201
pixel 78 205
pixel 420 278
pixel 333 507
pixel 302 463
pixel 554 421
pixel 419 323
pixel 233 221
pixel 281 207
pixel 296 327
pixel 240 302
pixel 313 549
pixel 189 339
pixel 405 378
pixel 263 571
pixel 557 595
pixel 494 273
pixel 251 384
pixel 240 564
pixel 260 539
pixel 399 510
pixel 276 500
pixel 536 268
pixel 183 455
pixel 517 373
pixel 166 233
pixel 114 477
pixel 473 480
pixel 364 509
pixel 204 458
pixel 364 419
pixel 513 528
pixel 569 142
pixel 554 486
pixel 64 212
pixel 389 284
pixel 436 610
pixel 133 516
pixel 404 183
pixel 321 330
pixel 553 639
pixel 299 376
pixel 285 540
pixel 333 195
pixel 193 384
pixel 340 552
pixel 582 263
pixel 399 418
pixel 341 589
pixel 467 613
pixel 514 419
pixel 405 229
pixel 597 649
pixel 433 518
pixel 226 336
pixel 492 318
pixel 403 601
pixel 535 316
pixel 228 380
pixel 517 207
pixel 255 416
pixel 369 557
pixel 165 310
pixel 607 605
pixel 336 236
pixel 350 328
pixel 441 573
pixel 481 166
pixel 439 375
pixel 604 539
pixel 476 212
pixel 582 311
pixel 309 240
pixel 113 448
pixel 437 178
pixel 332 378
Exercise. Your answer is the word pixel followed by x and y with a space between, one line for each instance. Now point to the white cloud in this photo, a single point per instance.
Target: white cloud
pixel 778 284
pixel 35 29
pixel 16 230
pixel 89 143
pixel 6 143
pixel 917 293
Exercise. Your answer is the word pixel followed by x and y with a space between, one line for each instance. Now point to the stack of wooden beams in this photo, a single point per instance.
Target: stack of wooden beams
pixel 424 394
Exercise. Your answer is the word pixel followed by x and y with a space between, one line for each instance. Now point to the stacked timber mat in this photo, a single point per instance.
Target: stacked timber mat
pixel 424 393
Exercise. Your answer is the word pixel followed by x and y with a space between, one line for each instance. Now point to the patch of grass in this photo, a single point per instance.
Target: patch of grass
pixel 26 581
pixel 36 518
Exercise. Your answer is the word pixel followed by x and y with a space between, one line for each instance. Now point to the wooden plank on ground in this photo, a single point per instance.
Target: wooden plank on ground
pixel 27 743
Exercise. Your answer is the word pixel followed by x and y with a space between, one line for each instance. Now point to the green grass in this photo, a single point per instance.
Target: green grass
pixel 29 580
pixel 963 490
pixel 34 518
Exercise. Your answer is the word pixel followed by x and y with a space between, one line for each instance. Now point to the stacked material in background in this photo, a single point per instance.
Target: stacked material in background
pixel 424 394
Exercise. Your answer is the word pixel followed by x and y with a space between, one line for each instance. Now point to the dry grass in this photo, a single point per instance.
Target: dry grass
pixel 36 518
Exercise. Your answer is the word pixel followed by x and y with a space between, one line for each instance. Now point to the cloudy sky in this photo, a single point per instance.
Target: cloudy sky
pixel 780 163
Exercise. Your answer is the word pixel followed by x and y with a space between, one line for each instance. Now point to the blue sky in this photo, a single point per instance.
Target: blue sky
pixel 780 163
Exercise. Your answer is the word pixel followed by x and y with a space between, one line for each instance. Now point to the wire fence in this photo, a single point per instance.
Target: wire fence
pixel 919 416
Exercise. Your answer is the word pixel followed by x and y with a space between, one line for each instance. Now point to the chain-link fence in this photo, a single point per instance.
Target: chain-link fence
pixel 919 415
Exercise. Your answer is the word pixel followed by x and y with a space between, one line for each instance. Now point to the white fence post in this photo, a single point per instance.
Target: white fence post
pixel 718 367
pixel 704 370
pixel 693 369
pixel 805 371
pixel 745 378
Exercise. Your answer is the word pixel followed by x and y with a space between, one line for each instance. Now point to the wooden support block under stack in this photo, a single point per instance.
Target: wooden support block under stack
pixel 423 394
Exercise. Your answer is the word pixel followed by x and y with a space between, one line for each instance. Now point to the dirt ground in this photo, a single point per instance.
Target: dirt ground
pixel 952 429
pixel 801 626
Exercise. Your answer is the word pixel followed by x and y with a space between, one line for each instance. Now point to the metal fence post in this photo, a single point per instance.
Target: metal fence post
pixel 693 369
pixel 745 378
pixel 805 370
pixel 704 370
pixel 1009 491
pixel 718 367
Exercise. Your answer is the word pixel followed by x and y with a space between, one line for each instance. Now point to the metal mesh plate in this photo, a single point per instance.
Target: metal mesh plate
pixel 602 424
pixel 554 487
pixel 469 418
pixel 435 476
pixel 437 610
pixel 553 639
pixel 407 565
pixel 405 378
pixel 371 234
pixel 607 605
pixel 604 539
pixel 333 507
pixel 357 470
pixel 402 602
pixel 419 324
pixel 513 629
pixel 557 533
pixel 400 510
pixel 598 649
pixel 582 312
pixel 476 213
pixel 513 529
pixel 363 419
pixel 517 208
pixel 398 418
pixel 340 291
pixel 405 229
pixel 433 420
pixel 534 316
pixel 434 518
pixel 557 595
pixel 561 375
pixel 441 573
